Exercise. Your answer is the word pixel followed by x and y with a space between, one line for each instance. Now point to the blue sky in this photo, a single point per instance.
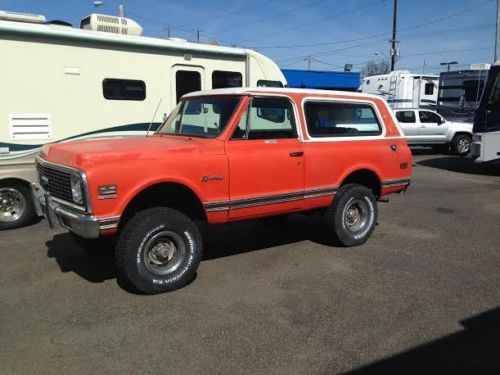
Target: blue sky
pixel 332 32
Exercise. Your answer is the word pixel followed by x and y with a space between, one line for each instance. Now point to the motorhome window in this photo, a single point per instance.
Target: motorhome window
pixel 330 119
pixel 429 88
pixel 429 117
pixel 406 116
pixel 221 79
pixel 473 90
pixel 187 81
pixel 201 117
pixel 266 83
pixel 123 89
pixel 270 118
pixel 494 101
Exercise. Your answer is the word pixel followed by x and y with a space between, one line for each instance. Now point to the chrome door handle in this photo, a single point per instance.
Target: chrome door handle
pixel 394 147
pixel 296 154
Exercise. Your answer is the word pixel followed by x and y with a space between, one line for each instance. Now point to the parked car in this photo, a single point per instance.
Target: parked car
pixel 226 155
pixel 425 127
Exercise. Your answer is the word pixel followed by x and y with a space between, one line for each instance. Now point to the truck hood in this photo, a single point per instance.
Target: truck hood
pixel 80 153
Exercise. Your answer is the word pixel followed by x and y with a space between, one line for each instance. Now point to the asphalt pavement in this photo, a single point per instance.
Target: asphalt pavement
pixel 421 296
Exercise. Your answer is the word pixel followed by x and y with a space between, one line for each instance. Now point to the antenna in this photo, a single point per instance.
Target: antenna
pixel 151 123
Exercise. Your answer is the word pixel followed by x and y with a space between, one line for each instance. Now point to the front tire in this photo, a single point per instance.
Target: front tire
pixel 16 206
pixel 159 250
pixel 352 216
pixel 461 144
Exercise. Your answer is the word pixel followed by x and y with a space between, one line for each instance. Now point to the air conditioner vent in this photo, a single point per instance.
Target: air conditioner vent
pixel 111 24
pixel 29 126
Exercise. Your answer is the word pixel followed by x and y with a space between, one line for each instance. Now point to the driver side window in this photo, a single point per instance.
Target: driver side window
pixel 267 118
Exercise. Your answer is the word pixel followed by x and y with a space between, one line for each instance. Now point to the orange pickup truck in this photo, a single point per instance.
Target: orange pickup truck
pixel 226 155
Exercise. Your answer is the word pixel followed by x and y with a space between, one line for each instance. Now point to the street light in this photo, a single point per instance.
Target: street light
pixel 449 63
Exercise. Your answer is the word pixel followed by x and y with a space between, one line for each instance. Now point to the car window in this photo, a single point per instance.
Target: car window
pixel 429 117
pixel 406 116
pixel 333 119
pixel 267 118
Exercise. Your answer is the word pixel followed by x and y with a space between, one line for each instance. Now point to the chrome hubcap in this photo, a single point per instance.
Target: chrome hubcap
pixel 12 204
pixel 463 146
pixel 164 253
pixel 356 214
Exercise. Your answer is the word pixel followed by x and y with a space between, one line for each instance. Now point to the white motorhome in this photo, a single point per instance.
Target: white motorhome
pixel 61 83
pixel 403 89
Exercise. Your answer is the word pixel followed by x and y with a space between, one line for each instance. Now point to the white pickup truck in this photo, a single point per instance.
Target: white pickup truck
pixel 425 127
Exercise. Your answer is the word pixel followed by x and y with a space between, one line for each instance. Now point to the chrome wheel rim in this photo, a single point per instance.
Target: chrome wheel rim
pixel 12 205
pixel 463 146
pixel 164 253
pixel 356 215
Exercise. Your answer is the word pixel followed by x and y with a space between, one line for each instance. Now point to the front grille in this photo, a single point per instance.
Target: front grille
pixel 56 182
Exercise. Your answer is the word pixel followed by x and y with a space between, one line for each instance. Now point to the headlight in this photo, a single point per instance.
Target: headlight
pixel 76 189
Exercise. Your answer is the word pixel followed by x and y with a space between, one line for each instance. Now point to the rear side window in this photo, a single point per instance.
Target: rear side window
pixel 187 81
pixel 331 119
pixel 123 89
pixel 222 79
pixel 406 116
pixel 429 117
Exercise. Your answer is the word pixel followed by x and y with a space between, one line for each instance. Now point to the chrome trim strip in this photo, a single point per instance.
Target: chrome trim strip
pixel 64 168
pixel 270 199
pixel 395 182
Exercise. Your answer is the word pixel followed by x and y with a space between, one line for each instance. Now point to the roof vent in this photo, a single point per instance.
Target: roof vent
pixel 22 17
pixel 111 24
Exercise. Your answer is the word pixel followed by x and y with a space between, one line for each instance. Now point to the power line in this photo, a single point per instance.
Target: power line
pixel 245 9
pixel 320 20
pixel 259 20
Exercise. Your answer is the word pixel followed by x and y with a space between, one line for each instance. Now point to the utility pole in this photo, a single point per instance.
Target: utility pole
pixel 198 32
pixel 394 42
pixel 309 62
pixel 497 35
pixel 423 68
pixel 167 29
pixel 121 10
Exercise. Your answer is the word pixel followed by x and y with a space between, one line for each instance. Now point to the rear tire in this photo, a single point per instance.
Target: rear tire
pixel 461 144
pixel 159 250
pixel 16 205
pixel 352 215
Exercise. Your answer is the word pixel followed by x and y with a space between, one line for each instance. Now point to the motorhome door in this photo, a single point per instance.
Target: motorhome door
pixel 185 79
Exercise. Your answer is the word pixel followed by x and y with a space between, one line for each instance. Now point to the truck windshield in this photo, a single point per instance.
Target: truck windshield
pixel 200 117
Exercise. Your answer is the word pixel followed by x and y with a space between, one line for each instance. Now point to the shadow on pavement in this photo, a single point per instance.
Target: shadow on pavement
pixel 94 265
pixel 97 264
pixel 474 350
pixel 462 165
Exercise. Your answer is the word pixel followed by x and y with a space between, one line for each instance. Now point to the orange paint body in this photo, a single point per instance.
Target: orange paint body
pixel 250 173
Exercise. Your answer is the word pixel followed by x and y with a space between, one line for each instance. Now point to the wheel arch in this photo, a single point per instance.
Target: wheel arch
pixel 173 194
pixel 366 177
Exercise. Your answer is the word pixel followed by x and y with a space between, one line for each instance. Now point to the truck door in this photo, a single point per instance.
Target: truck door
pixel 265 156
pixel 186 79
pixel 432 127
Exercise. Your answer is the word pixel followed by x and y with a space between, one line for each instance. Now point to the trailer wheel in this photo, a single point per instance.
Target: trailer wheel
pixel 461 144
pixel 16 205
pixel 159 250
pixel 352 215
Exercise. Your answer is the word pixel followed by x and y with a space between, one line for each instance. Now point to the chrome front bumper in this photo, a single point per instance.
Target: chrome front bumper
pixel 83 225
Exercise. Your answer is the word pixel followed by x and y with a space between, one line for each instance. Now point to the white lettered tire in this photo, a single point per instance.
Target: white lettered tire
pixel 352 216
pixel 159 250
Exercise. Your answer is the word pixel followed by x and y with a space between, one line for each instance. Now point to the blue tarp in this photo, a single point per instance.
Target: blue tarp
pixel 322 79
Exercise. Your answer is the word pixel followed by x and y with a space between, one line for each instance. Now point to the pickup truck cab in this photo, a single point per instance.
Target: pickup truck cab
pixel 221 156
pixel 426 127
